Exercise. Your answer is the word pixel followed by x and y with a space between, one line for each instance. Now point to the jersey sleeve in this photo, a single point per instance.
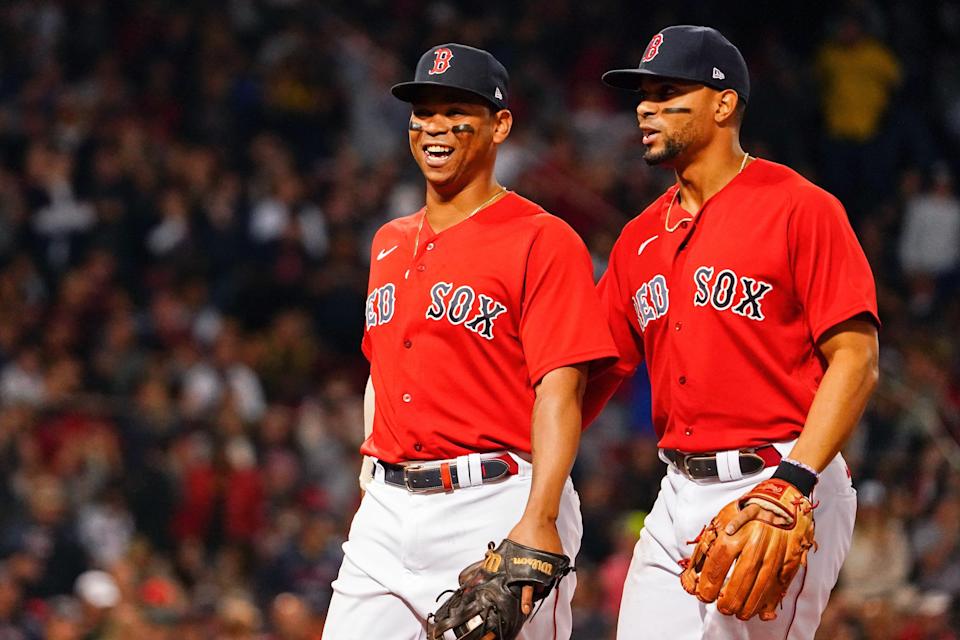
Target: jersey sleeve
pixel 832 277
pixel 561 324
pixel 365 345
pixel 602 384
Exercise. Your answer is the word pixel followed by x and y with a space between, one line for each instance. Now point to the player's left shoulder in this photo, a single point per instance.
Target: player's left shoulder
pixel 543 225
pixel 789 188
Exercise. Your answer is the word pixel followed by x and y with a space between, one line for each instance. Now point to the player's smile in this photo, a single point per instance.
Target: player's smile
pixel 436 154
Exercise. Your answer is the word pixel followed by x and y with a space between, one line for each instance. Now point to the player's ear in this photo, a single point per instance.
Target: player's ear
pixel 726 107
pixel 502 123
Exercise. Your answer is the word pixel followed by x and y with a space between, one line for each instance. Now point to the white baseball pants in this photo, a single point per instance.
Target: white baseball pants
pixel 655 606
pixel 405 548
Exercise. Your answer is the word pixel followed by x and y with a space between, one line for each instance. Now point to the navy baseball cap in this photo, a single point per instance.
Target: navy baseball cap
pixel 457 66
pixel 685 52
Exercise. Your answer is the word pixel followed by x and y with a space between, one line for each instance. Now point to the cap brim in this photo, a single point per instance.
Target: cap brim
pixel 412 91
pixel 630 79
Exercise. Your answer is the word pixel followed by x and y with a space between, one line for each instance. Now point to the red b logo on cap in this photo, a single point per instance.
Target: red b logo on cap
pixel 653 48
pixel 441 61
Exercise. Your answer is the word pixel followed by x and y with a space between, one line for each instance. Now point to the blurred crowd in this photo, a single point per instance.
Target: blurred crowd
pixel 187 195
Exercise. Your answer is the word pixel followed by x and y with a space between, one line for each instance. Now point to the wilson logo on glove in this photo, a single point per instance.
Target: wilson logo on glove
pixel 535 564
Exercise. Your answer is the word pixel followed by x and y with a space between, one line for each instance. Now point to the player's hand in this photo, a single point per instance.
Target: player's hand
pixel 540 534
pixel 755 511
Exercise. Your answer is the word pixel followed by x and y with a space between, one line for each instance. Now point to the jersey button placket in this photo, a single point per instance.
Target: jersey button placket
pixel 406 398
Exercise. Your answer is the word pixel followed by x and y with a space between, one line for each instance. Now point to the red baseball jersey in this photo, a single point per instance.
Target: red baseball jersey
pixel 459 334
pixel 727 308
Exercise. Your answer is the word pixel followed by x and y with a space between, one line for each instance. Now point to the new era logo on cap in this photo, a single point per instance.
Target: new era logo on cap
pixel 497 94
pixel 717 74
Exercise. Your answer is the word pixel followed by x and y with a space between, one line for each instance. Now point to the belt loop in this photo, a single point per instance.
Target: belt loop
pixel 728 466
pixel 445 476
pixel 464 478
pixel 475 464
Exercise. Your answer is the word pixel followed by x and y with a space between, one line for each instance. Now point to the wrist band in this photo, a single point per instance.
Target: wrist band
pixel 802 476
pixel 797 463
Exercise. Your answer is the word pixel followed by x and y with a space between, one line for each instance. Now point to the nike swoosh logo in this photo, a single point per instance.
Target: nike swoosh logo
pixel 645 243
pixel 385 252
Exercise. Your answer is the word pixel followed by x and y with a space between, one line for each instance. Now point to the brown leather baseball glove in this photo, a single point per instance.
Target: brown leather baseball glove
pixel 765 557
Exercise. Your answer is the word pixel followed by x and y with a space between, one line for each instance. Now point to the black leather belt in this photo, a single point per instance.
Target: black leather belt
pixel 443 475
pixel 703 466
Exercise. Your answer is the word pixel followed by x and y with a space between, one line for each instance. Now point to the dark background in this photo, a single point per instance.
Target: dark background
pixel 187 195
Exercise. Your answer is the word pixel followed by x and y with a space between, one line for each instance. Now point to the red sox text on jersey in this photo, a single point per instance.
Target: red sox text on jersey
pixel 447 302
pixel 652 300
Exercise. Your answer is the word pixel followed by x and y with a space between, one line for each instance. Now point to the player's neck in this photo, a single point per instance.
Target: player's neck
pixel 446 209
pixel 708 172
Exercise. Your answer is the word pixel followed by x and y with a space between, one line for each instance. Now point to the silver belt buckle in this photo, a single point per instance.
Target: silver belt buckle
pixel 406 477
pixel 685 467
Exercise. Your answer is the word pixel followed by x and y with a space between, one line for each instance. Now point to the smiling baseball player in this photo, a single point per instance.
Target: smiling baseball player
pixel 481 321
pixel 745 290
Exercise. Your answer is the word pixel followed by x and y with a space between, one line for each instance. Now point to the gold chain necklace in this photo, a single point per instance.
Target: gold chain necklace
pixel 666 220
pixel 485 203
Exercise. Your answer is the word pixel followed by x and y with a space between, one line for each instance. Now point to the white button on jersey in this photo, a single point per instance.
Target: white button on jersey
pixel 430 247
pixel 407 397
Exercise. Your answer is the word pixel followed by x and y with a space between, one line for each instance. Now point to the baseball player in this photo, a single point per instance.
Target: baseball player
pixel 746 293
pixel 481 321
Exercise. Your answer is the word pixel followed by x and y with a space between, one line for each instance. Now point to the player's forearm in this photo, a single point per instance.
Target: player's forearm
pixel 846 387
pixel 369 405
pixel 555 434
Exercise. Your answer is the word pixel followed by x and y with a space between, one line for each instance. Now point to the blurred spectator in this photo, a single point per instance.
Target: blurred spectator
pixel 936 542
pixel 11 623
pixel 221 497
pixel 238 619
pixel 878 534
pixel 930 241
pixel 292 620
pixel 307 566
pixel 98 594
pixel 858 75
